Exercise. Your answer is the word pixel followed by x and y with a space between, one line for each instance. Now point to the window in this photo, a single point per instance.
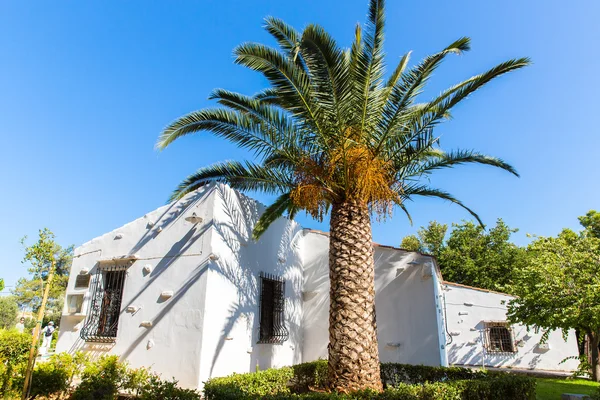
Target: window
pixel 74 303
pixel 82 281
pixel 499 338
pixel 105 305
pixel 272 301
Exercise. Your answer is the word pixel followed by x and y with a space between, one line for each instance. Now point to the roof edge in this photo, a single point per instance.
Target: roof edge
pixel 475 288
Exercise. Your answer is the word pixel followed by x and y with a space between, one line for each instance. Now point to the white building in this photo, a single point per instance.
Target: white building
pixel 185 291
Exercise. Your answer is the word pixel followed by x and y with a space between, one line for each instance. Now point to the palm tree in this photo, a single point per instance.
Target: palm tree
pixel 333 135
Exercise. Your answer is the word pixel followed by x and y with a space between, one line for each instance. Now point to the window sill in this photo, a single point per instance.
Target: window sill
pixel 68 314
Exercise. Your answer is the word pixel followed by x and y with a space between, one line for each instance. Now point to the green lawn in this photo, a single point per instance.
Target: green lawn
pixel 551 389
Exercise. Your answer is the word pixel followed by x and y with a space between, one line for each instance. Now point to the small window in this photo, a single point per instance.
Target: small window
pixel 272 301
pixel 499 338
pixel 82 281
pixel 105 305
pixel 74 303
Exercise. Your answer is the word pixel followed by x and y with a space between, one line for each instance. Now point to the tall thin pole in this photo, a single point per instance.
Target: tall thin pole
pixel 36 334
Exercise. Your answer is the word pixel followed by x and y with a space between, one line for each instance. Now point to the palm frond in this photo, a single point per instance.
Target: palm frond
pixel 234 126
pixel 440 106
pixel 326 68
pixel 262 111
pixel 242 176
pixel 447 160
pixel 425 191
pixel 276 210
pixel 287 37
pixel 405 91
pixel 405 210
pixel 290 80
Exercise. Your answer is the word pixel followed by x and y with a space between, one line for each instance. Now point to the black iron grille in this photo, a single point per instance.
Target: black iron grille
pixel 272 306
pixel 499 338
pixel 105 305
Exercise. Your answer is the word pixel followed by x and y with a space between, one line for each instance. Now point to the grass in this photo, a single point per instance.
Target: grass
pixel 551 389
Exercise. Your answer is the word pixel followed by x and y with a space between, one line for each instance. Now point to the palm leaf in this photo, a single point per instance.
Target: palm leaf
pixel 425 191
pixel 275 211
pixel 242 176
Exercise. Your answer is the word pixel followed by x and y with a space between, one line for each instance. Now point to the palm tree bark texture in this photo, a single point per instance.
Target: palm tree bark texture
pixel 353 352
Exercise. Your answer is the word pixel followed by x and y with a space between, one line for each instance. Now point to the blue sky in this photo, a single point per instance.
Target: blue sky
pixel 86 86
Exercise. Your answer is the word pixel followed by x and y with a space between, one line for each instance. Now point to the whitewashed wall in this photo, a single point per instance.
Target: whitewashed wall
pixel 477 306
pixel 232 319
pixel 210 326
pixel 405 302
pixel 176 251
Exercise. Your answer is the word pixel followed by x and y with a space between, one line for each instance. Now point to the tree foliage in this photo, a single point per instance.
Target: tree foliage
pixel 429 240
pixel 38 257
pixel 480 258
pixel 471 255
pixel 8 312
pixel 560 289
pixel 14 348
pixel 591 223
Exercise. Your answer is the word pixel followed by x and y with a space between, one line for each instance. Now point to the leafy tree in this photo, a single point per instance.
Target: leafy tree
pixel 471 255
pixel 488 260
pixel 8 312
pixel 428 240
pixel 411 243
pixel 28 291
pixel 332 135
pixel 432 238
pixel 1 284
pixel 591 223
pixel 561 287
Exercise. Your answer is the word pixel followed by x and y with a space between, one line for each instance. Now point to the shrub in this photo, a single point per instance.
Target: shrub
pixel 240 386
pixel 53 376
pixel 48 378
pixel 310 375
pixel 410 383
pixel 14 350
pixel 393 374
pixel 136 380
pixel 155 389
pixel 499 387
pixel 102 379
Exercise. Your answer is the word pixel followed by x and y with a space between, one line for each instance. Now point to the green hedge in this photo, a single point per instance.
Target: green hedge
pixel 405 382
pixel 393 374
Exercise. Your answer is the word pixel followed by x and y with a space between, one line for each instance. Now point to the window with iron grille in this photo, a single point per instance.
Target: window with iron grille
pixel 105 305
pixel 499 337
pixel 271 308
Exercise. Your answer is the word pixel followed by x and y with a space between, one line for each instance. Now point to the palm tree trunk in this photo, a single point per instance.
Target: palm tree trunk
pixel 353 353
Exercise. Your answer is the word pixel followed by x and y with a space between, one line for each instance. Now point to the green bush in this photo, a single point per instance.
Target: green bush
pixel 157 389
pixel 409 383
pixel 393 374
pixel 55 375
pixel 255 385
pixel 310 375
pixel 102 379
pixel 14 350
